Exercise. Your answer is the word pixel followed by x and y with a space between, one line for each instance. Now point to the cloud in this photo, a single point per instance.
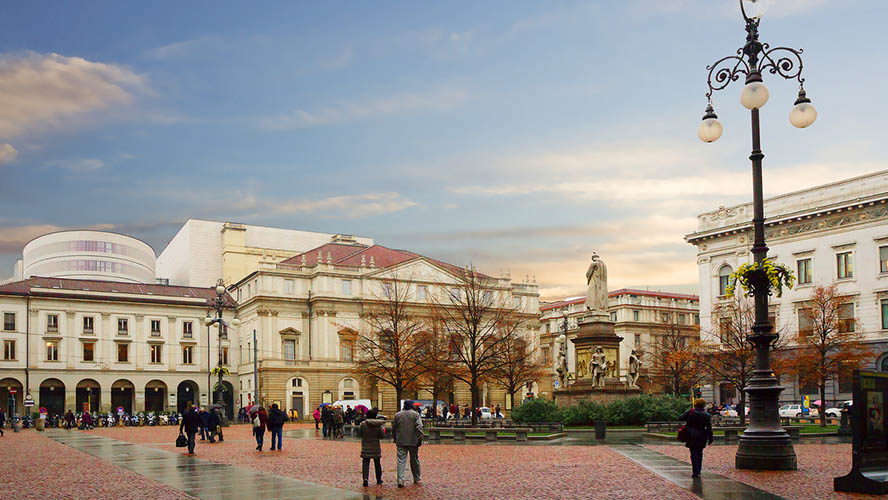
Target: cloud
pixel 78 165
pixel 344 112
pixel 352 206
pixel 182 49
pixel 339 60
pixel 14 238
pixel 47 91
pixel 8 153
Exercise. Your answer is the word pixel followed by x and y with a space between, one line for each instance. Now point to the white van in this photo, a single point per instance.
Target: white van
pixel 353 403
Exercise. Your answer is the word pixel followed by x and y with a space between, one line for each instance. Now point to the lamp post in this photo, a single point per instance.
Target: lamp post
pixel 765 445
pixel 218 303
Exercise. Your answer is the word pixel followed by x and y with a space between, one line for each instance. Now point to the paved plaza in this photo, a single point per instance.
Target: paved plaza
pixel 144 463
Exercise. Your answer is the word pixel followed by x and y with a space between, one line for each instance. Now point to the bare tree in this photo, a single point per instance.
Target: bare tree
pixel 437 362
pixel 478 319
pixel 673 359
pixel 827 344
pixel 519 365
pixel 389 344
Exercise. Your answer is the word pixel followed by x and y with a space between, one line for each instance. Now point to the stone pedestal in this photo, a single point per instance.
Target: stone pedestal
pixel 595 331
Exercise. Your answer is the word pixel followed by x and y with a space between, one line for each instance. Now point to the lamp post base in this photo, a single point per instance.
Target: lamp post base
pixel 766 453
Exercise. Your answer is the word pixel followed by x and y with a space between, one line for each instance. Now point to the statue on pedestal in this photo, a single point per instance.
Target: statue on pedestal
pixel 596 279
pixel 561 364
pixel 634 369
pixel 599 367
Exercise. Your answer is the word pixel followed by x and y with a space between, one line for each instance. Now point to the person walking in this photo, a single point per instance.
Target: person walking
pixel 191 424
pixel 204 418
pixel 2 421
pixel 338 421
pixel 212 423
pixel 699 427
pixel 326 420
pixel 276 419
pixel 407 433
pixel 69 420
pixel 260 421
pixel 317 417
pixel 444 410
pixel 371 431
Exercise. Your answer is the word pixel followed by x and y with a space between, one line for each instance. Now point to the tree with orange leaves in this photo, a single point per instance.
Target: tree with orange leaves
pixel 673 360
pixel 828 343
pixel 519 365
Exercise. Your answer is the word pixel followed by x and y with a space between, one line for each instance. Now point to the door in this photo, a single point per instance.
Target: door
pixel 297 404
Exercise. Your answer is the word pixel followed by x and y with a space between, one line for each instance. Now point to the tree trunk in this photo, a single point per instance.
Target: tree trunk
pixel 822 408
pixel 474 389
pixel 741 408
pixel 398 392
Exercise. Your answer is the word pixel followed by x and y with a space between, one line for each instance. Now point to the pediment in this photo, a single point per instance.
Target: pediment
pixel 290 332
pixel 418 270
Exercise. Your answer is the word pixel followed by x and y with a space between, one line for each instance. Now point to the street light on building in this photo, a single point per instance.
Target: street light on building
pixel 218 322
pixel 765 445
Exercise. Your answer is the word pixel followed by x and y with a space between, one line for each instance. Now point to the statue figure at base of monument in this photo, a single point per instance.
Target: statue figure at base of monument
pixel 561 366
pixel 596 279
pixel 599 366
pixel 634 369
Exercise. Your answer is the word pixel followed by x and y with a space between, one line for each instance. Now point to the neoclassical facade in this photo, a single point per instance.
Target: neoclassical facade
pixel 835 233
pixel 307 311
pixel 102 345
pixel 639 316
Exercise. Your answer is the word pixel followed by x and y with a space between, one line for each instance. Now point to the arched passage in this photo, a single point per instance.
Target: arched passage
pixel 89 395
pixel 122 394
pixel 52 396
pixel 14 406
pixel 186 395
pixel 155 396
pixel 297 396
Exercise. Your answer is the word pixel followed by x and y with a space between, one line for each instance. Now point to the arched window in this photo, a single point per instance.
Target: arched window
pixel 724 275
pixel 883 364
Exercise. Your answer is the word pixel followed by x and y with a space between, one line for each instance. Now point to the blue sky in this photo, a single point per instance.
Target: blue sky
pixel 517 136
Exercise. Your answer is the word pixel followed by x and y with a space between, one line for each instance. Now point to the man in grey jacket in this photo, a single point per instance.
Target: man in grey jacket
pixel 407 432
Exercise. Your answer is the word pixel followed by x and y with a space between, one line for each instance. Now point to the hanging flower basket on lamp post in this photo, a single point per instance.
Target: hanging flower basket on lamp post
pixel 766 276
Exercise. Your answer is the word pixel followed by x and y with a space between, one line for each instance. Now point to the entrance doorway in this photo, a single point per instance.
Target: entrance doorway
pixel 186 395
pixel 52 396
pixel 88 396
pixel 122 394
pixel 12 401
pixel 155 396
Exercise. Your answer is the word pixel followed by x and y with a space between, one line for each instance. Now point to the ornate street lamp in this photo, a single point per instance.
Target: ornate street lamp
pixel 765 445
pixel 219 305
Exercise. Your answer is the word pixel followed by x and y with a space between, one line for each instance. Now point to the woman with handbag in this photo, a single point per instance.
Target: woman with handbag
pixel 698 433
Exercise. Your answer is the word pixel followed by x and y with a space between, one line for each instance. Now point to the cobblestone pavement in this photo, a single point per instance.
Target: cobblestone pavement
pixel 818 465
pixel 448 471
pixel 35 467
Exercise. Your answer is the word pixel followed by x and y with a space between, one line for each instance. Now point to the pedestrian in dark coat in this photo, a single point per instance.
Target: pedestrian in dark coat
pixel 69 420
pixel 699 426
pixel 407 432
pixel 212 423
pixel 2 421
pixel 276 420
pixel 259 431
pixel 326 420
pixel 191 424
pixel 371 431
pixel 204 416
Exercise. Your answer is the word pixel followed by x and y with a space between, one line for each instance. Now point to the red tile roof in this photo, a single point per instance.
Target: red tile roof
pixel 151 291
pixel 562 303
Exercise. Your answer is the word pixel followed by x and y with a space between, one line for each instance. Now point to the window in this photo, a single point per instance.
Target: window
pixel 297 382
pixel 289 349
pixel 122 352
pixel 454 294
pixel 188 355
pixel 806 321
pixel 223 334
pixel 682 318
pixel 883 259
pixel 724 279
pixel 613 316
pixel 846 379
pixel 289 287
pixel 803 266
pixel 845 265
pixel 52 351
pixel 545 353
pixel 635 315
pixel 846 317
pixel 88 323
pixel 697 319
pixel 724 330
pixel 421 292
pixel 52 322
pixel 187 329
pixel 249 353
pixel 9 350
pixel 346 348
pixel 223 356
pixel 885 315
pixel 637 340
pixel 666 317
pixel 9 322
pixel 156 350
pixel 89 351
pixel 155 327
pixel 387 290
pixel 548 327
pixel 122 326
pixel 346 287
pixel 517 302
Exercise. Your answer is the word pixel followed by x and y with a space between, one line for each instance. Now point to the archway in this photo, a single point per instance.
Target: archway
pixel 155 396
pixel 348 389
pixel 14 406
pixel 297 396
pixel 186 395
pixel 122 394
pixel 52 396
pixel 88 395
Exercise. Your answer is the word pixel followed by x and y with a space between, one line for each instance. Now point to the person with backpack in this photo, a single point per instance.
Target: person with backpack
pixel 698 435
pixel 371 431
pixel 276 419
pixel 260 421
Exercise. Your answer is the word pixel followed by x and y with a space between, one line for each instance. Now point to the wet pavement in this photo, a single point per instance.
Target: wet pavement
pixel 196 477
pixel 710 486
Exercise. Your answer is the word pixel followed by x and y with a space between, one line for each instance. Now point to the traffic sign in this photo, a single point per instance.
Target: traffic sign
pixel 12 390
pixel 120 410
pixel 29 402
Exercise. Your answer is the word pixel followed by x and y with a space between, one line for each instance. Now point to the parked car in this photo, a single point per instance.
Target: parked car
pixel 837 412
pixel 486 413
pixel 796 410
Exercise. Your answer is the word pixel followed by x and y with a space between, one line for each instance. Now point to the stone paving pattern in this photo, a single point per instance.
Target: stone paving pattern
pixel 449 471
pixel 33 467
pixel 818 465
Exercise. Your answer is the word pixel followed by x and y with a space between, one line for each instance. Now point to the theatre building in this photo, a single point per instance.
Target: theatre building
pixel 74 344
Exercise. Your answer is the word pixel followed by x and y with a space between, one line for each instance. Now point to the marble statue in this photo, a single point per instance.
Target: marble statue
pixel 596 279
pixel 561 364
pixel 634 369
pixel 599 367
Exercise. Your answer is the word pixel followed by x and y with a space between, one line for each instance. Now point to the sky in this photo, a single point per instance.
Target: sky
pixel 516 136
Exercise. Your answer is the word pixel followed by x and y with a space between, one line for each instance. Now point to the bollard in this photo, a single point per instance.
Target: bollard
pixel 600 429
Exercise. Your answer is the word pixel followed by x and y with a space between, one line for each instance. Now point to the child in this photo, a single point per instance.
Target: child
pixel 371 432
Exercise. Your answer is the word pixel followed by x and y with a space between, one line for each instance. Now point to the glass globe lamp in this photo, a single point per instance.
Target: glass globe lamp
pixel 754 95
pixel 803 113
pixel 754 9
pixel 710 128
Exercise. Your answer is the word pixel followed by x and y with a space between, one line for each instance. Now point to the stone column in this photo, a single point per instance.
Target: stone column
pixel 138 338
pixel 105 399
pixel 105 334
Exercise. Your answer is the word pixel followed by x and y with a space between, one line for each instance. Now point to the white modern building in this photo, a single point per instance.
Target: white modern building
pixel 832 233
pixel 204 251
pixel 87 254
pixel 102 345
